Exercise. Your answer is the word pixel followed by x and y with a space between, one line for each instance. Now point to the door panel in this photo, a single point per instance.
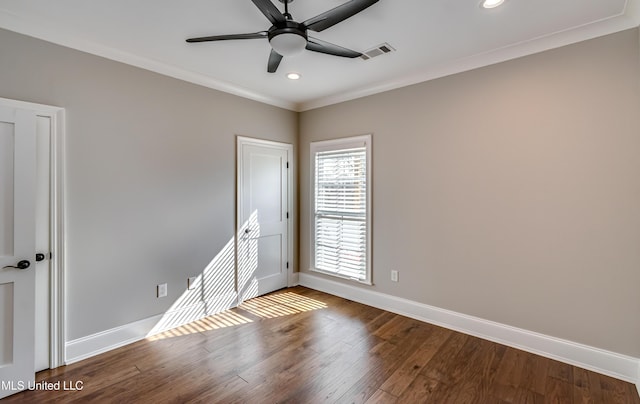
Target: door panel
pixel 17 294
pixel 262 217
pixel 6 319
pixel 264 183
pixel 7 144
pixel 270 256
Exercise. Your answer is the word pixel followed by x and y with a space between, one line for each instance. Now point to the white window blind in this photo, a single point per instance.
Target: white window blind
pixel 341 210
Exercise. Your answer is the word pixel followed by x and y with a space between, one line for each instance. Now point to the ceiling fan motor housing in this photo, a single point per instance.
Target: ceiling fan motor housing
pixel 288 37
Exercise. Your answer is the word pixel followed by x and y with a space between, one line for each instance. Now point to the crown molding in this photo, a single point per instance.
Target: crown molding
pixel 628 19
pixel 16 23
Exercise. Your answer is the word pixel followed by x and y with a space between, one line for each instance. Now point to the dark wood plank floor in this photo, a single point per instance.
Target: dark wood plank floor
pixel 303 346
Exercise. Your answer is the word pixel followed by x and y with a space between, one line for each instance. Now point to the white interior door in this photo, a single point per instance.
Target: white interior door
pixel 17 248
pixel 263 210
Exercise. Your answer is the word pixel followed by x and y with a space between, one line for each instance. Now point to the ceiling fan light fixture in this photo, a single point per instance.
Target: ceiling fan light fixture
pixel 294 76
pixel 491 3
pixel 288 43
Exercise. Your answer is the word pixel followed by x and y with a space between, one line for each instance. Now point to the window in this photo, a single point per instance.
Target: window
pixel 340 202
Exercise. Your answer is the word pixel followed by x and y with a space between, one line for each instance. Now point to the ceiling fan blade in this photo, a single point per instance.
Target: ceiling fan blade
pixel 317 45
pixel 254 35
pixel 270 11
pixel 338 14
pixel 274 61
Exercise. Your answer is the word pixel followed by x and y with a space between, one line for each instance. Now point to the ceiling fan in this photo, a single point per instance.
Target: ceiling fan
pixel 288 37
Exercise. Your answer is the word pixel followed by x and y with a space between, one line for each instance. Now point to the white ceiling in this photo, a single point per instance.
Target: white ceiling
pixel 433 38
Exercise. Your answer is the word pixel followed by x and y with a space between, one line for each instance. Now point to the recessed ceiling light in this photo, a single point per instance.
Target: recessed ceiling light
pixel 293 76
pixel 491 3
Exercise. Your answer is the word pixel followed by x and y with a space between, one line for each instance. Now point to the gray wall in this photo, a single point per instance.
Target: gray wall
pixel 150 175
pixel 511 192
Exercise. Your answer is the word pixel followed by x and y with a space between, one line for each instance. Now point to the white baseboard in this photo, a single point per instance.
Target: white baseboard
pixel 95 344
pixel 609 363
pixel 294 279
pixel 638 380
pixel 598 360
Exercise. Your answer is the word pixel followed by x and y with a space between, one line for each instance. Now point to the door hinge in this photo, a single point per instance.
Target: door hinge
pixel 287 215
pixel 287 164
pixel 287 264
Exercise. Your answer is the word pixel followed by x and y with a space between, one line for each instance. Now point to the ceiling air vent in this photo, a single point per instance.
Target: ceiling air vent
pixel 377 51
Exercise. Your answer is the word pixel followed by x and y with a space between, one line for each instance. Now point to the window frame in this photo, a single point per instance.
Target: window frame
pixel 336 145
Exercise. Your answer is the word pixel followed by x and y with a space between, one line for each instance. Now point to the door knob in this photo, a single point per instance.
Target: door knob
pixel 24 264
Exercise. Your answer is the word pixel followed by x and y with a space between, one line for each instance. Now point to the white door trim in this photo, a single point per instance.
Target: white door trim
pixel 57 170
pixel 243 140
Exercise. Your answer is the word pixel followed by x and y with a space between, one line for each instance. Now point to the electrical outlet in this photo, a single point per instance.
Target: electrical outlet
pixel 191 282
pixel 162 290
pixel 394 276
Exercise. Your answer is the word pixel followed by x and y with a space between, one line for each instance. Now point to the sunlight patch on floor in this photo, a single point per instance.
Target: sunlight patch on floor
pixel 265 307
pixel 224 319
pixel 281 304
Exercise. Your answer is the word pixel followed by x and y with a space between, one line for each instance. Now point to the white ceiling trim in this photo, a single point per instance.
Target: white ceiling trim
pixel 630 18
pixel 585 32
pixel 42 30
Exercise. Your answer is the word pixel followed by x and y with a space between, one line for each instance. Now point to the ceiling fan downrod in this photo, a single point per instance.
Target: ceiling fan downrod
pixel 286 9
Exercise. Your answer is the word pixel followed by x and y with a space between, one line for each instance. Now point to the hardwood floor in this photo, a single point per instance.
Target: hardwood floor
pixel 303 346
